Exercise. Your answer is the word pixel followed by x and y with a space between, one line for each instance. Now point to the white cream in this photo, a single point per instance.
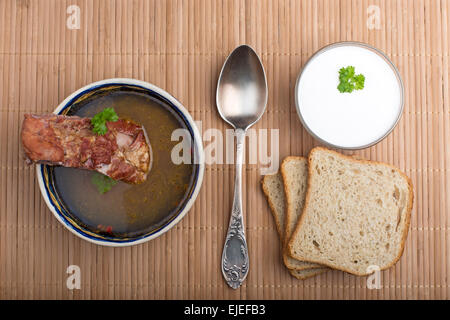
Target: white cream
pixel 349 120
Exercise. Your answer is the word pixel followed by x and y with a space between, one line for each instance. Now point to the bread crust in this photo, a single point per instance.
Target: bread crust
pixel 307 200
pixel 272 207
pixel 287 195
pixel 314 272
pixel 287 232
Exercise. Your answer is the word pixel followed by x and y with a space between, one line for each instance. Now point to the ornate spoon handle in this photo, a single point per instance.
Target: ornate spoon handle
pixel 235 251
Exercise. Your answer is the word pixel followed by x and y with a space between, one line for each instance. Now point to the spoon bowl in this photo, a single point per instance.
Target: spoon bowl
pixel 242 88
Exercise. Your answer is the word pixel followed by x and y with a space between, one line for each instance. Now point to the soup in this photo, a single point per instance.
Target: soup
pixel 129 211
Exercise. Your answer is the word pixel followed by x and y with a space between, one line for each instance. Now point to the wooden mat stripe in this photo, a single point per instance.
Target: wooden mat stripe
pixel 180 46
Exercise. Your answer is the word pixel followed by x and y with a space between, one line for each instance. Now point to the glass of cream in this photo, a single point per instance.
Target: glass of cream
pixel 349 120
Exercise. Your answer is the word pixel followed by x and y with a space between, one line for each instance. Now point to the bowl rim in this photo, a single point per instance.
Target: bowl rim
pixel 365 46
pixel 197 143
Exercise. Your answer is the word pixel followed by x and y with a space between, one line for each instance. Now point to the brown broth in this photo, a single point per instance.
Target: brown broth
pixel 130 210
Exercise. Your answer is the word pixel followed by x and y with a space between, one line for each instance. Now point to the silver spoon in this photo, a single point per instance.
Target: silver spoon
pixel 241 100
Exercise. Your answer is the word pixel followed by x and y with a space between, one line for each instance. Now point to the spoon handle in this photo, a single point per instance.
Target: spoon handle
pixel 235 251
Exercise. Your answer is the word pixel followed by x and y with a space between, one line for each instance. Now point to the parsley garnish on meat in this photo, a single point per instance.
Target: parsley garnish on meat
pixel 100 119
pixel 348 81
pixel 102 182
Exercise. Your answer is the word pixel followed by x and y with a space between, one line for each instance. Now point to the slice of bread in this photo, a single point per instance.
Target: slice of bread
pixel 307 273
pixel 356 214
pixel 294 171
pixel 272 186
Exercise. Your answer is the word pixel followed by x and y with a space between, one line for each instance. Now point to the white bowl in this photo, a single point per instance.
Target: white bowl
pixel 354 120
pixel 51 199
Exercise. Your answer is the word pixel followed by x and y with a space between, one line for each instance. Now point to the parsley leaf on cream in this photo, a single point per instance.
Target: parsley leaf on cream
pixel 348 81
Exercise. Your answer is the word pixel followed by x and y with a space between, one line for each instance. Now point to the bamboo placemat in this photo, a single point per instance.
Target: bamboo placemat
pixel 180 46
